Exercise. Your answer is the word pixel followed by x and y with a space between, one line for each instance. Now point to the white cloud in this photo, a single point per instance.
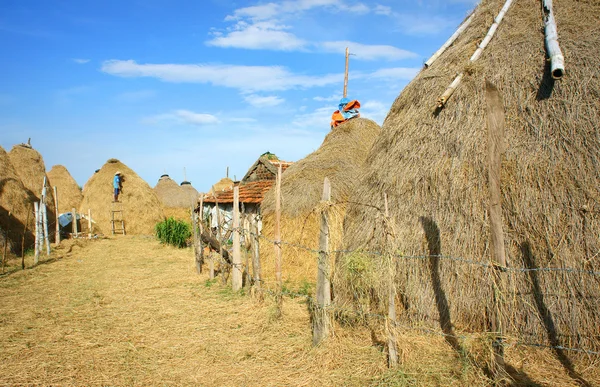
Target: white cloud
pixel 135 96
pixel 244 78
pixel 80 61
pixel 382 10
pixel 182 116
pixel 261 35
pixel 261 102
pixel 331 98
pixel 374 110
pixel 368 52
pixel 318 119
pixel 272 10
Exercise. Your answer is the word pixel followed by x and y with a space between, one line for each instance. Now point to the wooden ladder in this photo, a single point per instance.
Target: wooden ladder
pixel 117 222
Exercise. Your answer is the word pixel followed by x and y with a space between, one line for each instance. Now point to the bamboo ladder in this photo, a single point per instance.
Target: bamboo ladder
pixel 117 223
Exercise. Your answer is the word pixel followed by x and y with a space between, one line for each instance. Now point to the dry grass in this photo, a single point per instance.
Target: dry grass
pixel 129 311
pixel 170 193
pixel 433 166
pixel 69 193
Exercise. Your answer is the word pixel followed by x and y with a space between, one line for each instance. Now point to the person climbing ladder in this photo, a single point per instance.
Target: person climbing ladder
pixel 117 184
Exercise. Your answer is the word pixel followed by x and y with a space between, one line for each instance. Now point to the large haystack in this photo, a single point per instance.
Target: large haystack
pixel 191 194
pixel 141 207
pixel 16 200
pixel 69 193
pixel 31 169
pixel 170 193
pixel 339 158
pixel 433 166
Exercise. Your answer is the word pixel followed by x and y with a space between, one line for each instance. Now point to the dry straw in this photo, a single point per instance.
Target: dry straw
pixel 170 193
pixel 339 158
pixel 141 207
pixel 69 193
pixel 433 166
pixel 16 200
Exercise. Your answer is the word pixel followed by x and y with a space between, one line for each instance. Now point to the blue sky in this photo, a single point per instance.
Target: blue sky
pixel 201 84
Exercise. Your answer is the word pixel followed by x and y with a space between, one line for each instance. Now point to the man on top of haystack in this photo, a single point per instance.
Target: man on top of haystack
pixel 117 184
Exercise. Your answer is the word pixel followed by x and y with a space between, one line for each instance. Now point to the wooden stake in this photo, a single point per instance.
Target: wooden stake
pixel 495 120
pixel 89 223
pixel 36 258
pixel 74 223
pixel 198 247
pixel 236 275
pixel 23 241
pixel 256 255
pixel 391 323
pixel 346 74
pixel 57 237
pixel 321 321
pixel 278 241
pixel 45 228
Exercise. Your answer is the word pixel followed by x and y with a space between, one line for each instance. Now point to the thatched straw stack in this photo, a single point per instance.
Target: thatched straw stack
pixel 31 169
pixel 222 185
pixel 191 193
pixel 170 193
pixel 141 207
pixel 433 166
pixel 339 158
pixel 16 200
pixel 69 193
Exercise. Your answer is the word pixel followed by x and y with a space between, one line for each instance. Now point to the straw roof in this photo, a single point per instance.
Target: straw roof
pixel 170 193
pixel 222 185
pixel 191 194
pixel 69 193
pixel 31 169
pixel 141 207
pixel 433 166
pixel 16 200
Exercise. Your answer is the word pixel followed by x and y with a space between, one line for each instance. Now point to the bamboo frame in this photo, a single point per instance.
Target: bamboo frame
pixel 557 60
pixel 450 40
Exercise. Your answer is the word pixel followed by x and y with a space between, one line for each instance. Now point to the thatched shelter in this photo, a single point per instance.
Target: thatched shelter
pixel 69 193
pixel 30 168
pixel 191 194
pixel 432 163
pixel 339 158
pixel 141 207
pixel 18 201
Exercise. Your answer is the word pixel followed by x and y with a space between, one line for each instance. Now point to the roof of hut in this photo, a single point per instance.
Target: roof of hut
pixel 222 185
pixel 432 163
pixel 30 167
pixel 191 193
pixel 141 207
pixel 69 193
pixel 16 200
pixel 170 193
pixel 339 158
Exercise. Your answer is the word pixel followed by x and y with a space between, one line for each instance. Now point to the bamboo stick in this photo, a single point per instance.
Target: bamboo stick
pixel 278 241
pixel 57 238
pixel 486 40
pixel 321 321
pixel 45 227
pixel 36 257
pixel 557 60
pixel 346 74
pixel 450 40
pixel 23 241
pixel 236 275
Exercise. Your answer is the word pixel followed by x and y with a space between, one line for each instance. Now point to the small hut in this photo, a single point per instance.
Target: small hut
pixel 141 207
pixel 432 162
pixel 69 193
pixel 17 201
pixel 339 158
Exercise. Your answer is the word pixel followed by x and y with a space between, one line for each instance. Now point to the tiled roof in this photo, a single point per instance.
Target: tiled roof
pixel 251 192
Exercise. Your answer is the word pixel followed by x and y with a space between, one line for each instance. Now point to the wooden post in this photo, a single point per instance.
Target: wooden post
pixel 74 223
pixel 346 74
pixel 256 254
pixel 23 241
pixel 45 227
pixel 321 321
pixel 236 275
pixel 391 323
pixel 278 241
pixel 220 235
pixel 57 237
pixel 198 248
pixel 495 121
pixel 89 223
pixel 36 258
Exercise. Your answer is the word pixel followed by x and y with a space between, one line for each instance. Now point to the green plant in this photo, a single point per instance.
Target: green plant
pixel 173 232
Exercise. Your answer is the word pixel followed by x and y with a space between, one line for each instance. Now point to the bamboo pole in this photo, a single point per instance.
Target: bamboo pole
pixel 488 37
pixel 57 237
pixel 23 241
pixel 346 73
pixel 321 320
pixel 198 230
pixel 236 275
pixel 557 60
pixel 495 121
pixel 219 232
pixel 450 40
pixel 391 321
pixel 45 227
pixel 36 258
pixel 278 240
pixel 256 255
